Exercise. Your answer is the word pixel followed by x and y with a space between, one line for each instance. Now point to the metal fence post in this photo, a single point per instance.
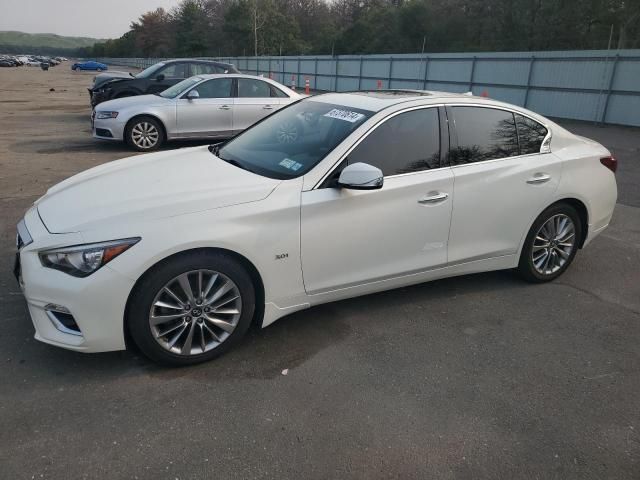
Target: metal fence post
pixel 360 74
pixel 611 79
pixel 315 73
pixel 298 74
pixel 426 72
pixel 335 77
pixel 526 93
pixel 473 69
pixel 390 73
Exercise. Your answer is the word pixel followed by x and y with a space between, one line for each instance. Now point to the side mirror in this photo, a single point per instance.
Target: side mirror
pixel 160 77
pixel 361 176
pixel 193 94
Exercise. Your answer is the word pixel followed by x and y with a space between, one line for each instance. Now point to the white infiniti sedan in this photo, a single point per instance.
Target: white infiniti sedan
pixel 181 251
pixel 204 106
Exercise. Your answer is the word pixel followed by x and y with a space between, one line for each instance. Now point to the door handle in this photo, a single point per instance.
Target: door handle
pixel 433 197
pixel 539 178
pixel 224 107
pixel 267 107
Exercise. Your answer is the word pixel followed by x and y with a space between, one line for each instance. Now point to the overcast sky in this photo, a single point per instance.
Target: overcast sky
pixel 77 18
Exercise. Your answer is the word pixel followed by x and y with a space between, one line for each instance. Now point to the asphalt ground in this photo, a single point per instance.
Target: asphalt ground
pixel 482 376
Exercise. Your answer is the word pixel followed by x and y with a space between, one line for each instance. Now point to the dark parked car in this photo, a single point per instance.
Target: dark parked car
pixel 154 79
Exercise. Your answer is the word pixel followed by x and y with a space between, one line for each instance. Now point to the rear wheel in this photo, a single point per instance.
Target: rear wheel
pixel 551 245
pixel 192 308
pixel 144 134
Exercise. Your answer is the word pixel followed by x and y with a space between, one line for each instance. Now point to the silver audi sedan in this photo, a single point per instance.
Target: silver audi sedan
pixel 200 107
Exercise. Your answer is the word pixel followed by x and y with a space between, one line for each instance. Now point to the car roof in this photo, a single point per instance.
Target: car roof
pixel 194 60
pixel 376 100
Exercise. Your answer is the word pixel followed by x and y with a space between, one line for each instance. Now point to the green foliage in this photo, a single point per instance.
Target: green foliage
pixel 46 43
pixel 292 27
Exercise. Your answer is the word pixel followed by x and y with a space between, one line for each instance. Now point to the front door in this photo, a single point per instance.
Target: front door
pixel 351 237
pixel 167 77
pixel 209 115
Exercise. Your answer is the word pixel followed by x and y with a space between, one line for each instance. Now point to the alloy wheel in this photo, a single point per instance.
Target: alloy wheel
pixel 553 244
pixel 145 135
pixel 195 312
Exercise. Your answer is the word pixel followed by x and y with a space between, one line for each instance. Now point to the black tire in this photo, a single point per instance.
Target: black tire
pixel 147 289
pixel 139 121
pixel 526 266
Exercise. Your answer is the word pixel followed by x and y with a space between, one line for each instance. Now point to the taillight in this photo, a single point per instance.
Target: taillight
pixel 610 162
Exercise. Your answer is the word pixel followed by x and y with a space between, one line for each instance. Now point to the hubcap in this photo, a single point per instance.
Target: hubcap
pixel 145 135
pixel 553 244
pixel 195 312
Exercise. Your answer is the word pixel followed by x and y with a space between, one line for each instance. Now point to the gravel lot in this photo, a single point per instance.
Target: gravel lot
pixel 475 377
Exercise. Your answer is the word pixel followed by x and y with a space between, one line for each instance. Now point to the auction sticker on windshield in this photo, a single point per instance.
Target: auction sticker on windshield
pixel 345 115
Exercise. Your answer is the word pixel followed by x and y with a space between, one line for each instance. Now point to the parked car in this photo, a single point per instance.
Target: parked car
pixel 5 62
pixel 154 79
pixel 181 251
pixel 91 65
pixel 205 106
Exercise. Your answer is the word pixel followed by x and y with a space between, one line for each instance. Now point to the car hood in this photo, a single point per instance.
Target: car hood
pixel 119 104
pixel 147 187
pixel 102 78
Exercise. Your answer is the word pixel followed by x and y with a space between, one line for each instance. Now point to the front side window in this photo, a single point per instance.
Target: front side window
pixel 483 134
pixel 292 141
pixel 531 135
pixel 175 70
pixel 249 88
pixel 216 88
pixel 408 142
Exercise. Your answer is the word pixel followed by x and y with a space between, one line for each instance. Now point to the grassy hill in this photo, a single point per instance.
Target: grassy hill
pixel 34 41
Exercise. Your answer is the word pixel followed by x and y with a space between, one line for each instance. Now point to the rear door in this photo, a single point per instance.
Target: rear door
pixel 503 178
pixel 209 115
pixel 255 100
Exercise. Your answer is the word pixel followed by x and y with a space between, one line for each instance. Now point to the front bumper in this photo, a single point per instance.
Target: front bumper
pixel 97 302
pixel 108 129
pixel 97 97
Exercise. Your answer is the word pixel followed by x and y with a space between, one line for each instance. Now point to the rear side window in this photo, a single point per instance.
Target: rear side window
pixel 531 135
pixel 203 69
pixel 408 142
pixel 483 134
pixel 249 88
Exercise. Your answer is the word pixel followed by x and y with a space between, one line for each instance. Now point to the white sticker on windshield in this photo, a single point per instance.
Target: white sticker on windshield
pixel 290 164
pixel 345 115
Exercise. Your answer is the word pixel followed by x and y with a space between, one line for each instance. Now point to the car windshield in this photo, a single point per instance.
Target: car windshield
pixel 292 141
pixel 147 72
pixel 180 88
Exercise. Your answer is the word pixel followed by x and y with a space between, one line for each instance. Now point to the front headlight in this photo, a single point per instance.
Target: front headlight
pixel 103 115
pixel 83 260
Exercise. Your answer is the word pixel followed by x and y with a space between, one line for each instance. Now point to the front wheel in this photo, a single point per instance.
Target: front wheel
pixel 192 308
pixel 551 245
pixel 98 69
pixel 144 134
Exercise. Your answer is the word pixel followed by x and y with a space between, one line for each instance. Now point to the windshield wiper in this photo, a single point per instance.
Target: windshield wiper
pixel 215 149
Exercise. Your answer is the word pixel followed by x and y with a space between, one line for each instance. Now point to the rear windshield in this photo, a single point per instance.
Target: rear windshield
pixel 292 141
